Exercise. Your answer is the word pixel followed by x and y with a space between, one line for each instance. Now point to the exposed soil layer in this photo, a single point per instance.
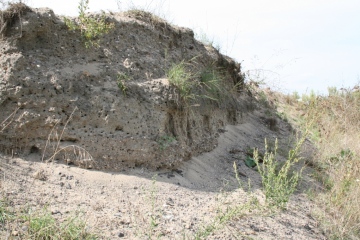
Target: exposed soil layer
pixel 50 80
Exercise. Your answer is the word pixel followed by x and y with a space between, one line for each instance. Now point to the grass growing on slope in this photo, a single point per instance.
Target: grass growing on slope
pixel 182 79
pixel 336 133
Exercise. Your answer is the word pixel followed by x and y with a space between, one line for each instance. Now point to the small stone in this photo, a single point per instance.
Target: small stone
pixel 55 212
pixel 120 234
pixel 170 202
pixel 15 233
pixel 40 175
pixel 68 186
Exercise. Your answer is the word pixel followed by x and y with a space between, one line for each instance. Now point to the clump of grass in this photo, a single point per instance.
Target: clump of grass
pixel 279 182
pixel 42 225
pixel 182 79
pixel 90 27
pixel 194 86
pixel 211 80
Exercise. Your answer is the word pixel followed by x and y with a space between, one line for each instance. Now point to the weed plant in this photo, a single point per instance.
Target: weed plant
pixel 90 27
pixel 279 182
pixel 121 81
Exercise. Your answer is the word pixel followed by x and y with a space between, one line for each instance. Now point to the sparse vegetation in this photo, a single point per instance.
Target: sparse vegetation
pixel 226 214
pixel 333 122
pixel 335 130
pixel 165 141
pixel 91 28
pixel 146 16
pixel 153 221
pixel 121 81
pixel 42 225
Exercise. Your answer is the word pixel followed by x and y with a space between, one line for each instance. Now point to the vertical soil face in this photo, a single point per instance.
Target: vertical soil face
pixel 62 101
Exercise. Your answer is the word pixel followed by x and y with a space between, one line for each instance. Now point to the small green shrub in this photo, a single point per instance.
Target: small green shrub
pixel 121 81
pixel 279 182
pixel 91 28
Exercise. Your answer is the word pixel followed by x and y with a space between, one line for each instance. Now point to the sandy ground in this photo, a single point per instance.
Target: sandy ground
pixel 120 205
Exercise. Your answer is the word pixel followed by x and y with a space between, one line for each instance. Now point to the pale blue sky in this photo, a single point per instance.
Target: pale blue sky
pixel 300 45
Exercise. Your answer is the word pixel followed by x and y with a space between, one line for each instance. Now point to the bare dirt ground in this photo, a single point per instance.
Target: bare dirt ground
pixel 179 203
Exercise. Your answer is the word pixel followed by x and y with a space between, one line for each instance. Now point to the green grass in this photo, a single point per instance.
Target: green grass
pixel 5 214
pixel 211 80
pixel 193 86
pixel 42 225
pixel 183 80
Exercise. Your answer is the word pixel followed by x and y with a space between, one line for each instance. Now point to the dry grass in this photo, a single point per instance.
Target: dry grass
pixel 335 127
